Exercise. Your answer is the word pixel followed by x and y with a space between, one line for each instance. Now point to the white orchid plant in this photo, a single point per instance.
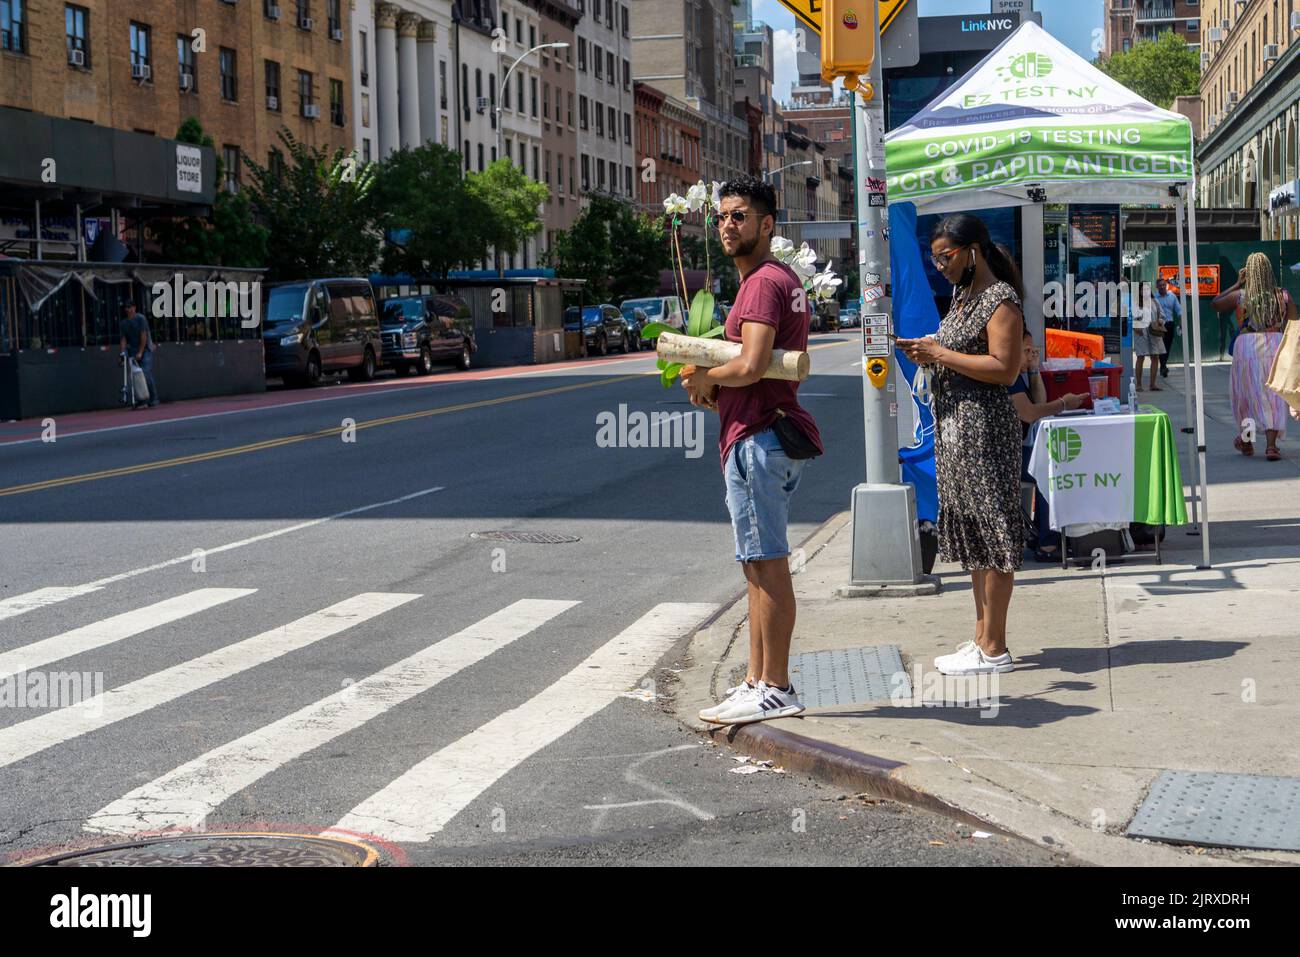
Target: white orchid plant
pixel 820 286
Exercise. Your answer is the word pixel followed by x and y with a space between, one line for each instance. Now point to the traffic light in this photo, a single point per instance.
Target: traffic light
pixel 848 40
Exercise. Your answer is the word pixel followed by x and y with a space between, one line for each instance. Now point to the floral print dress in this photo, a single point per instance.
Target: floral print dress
pixel 977 446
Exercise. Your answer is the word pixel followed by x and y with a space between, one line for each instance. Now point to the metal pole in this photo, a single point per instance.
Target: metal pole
pixel 886 552
pixel 1200 391
pixel 1188 428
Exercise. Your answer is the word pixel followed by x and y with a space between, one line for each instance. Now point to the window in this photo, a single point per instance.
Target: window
pixel 229 81
pixel 492 98
pixel 610 74
pixel 509 155
pixel 336 102
pixel 272 85
pixel 466 155
pixel 613 123
pixel 609 13
pixel 140 51
pixel 532 82
pixel 613 177
pixel 627 179
pixel 532 36
pixel 478 86
pixel 185 62
pixel 559 172
pixel 520 103
pixel 627 128
pixel 505 24
pixel 494 154
pixel 519 31
pixel 275 162
pixel 268 6
pixel 365 109
pixel 600 120
pixel 546 102
pixel 480 157
pixel 586 172
pixel 505 95
pixel 537 166
pixel 464 95
pixel 13 25
pixel 77 25
pixel 548 168
pixel 230 160
pixel 598 61
pixel 306 96
pixel 582 112
pixel 523 157
pixel 335 19
pixel 582 54
pixel 600 174
pixel 573 184
pixel 442 83
pixel 623 7
pixel 304 13
pixel 570 111
pixel 627 74
pixel 546 54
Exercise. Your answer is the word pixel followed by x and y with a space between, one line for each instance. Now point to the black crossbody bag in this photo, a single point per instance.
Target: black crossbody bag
pixel 794 442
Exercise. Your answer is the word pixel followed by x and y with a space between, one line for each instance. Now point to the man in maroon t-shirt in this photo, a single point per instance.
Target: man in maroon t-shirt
pixel 770 312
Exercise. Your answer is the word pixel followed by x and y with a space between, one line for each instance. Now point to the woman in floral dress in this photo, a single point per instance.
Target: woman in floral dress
pixel 974 356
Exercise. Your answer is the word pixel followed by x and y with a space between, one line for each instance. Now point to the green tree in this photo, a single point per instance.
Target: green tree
pixel 1157 70
pixel 229 236
pixel 514 201
pixel 638 253
pixel 583 251
pixel 429 218
pixel 316 207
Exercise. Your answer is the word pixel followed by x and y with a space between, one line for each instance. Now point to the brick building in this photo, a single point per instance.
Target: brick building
pixel 667 152
pixel 1129 21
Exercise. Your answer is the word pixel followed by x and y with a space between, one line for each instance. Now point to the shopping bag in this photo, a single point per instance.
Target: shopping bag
pixel 1284 377
pixel 139 385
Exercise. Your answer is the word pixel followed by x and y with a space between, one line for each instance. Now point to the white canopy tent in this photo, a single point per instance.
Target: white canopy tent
pixel 1035 123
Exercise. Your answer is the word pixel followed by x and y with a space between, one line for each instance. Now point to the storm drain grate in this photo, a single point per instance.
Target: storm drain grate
pixel 848 675
pixel 1223 810
pixel 260 849
pixel 530 538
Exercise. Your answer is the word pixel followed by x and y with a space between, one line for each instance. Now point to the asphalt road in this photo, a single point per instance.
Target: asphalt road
pixel 293 627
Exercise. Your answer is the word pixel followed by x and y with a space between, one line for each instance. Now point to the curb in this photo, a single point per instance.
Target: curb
pixel 833 764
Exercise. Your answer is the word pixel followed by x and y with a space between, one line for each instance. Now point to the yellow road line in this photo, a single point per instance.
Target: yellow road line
pixel 324 433
pixel 302 437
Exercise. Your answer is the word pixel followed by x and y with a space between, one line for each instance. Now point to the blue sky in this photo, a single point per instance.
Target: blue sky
pixel 1071 21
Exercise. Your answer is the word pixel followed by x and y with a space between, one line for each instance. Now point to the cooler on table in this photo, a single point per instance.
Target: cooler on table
pixel 1058 383
pixel 1063 344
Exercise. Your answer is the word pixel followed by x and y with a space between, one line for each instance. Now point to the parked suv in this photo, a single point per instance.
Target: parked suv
pixel 665 309
pixel 603 328
pixel 318 326
pixel 419 331
pixel 636 321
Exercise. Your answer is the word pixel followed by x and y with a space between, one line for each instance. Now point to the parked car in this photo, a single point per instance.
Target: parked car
pixel 419 331
pixel 665 309
pixel 636 320
pixel 317 326
pixel 850 319
pixel 603 328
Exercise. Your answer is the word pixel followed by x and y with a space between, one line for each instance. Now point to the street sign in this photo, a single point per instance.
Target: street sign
pixel 1011 6
pixel 810 12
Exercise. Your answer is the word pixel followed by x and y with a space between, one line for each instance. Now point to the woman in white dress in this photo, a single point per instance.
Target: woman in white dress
pixel 1148 339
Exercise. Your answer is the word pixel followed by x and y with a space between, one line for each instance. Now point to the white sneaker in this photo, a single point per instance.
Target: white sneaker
pixel 970 659
pixel 761 704
pixel 731 697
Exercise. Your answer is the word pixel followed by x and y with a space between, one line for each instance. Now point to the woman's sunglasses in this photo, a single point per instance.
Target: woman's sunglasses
pixel 941 261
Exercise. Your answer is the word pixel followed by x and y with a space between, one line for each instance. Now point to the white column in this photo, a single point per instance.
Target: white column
pixel 428 63
pixel 409 69
pixel 386 68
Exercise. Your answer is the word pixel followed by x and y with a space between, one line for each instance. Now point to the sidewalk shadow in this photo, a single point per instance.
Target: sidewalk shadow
pixel 1022 712
pixel 1174 651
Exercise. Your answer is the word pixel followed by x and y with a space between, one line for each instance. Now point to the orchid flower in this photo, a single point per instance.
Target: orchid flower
pixel 675 204
pixel 804 262
pixel 824 284
pixel 696 196
pixel 716 199
pixel 782 249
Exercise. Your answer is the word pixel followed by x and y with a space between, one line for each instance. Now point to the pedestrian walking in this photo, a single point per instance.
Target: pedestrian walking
pixel 1262 308
pixel 137 343
pixel 1171 314
pixel 766 441
pixel 974 356
pixel 1148 338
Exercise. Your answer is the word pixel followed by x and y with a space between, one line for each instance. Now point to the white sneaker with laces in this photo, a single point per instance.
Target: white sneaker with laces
pixel 761 704
pixel 730 698
pixel 969 659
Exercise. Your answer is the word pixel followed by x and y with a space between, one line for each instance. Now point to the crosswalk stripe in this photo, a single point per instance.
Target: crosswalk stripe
pixel 114 629
pixel 29 737
pixel 30 601
pixel 418 804
pixel 186 796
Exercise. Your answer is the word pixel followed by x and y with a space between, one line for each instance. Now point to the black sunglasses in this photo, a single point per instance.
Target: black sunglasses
pixel 735 215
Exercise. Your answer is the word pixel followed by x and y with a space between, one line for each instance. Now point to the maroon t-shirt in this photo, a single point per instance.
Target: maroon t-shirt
pixel 768 294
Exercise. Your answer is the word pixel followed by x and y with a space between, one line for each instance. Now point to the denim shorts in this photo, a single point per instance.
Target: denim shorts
pixel 760 479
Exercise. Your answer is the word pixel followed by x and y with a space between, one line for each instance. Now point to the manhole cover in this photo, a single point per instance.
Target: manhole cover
pixel 531 538
pixel 1223 810
pixel 222 850
pixel 849 675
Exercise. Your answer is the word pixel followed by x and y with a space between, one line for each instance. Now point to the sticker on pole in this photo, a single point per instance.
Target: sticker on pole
pixel 872 293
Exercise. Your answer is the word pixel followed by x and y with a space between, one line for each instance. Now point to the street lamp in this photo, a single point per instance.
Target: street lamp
pixel 787 166
pixel 506 81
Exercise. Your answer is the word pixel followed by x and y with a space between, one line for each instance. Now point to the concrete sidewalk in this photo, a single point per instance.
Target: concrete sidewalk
pixel 1120 673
